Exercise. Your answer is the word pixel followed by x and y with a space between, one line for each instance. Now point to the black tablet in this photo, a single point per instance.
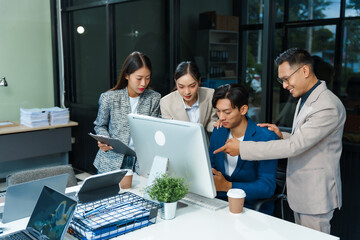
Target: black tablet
pixel 117 145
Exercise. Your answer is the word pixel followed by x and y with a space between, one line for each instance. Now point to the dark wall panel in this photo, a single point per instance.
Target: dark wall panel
pixel 85 147
pixel 346 221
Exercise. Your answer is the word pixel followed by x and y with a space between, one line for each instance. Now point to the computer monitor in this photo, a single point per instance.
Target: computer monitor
pixel 182 143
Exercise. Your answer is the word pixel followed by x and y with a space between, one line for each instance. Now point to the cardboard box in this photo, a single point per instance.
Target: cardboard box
pixel 221 22
pixel 232 23
pixel 211 20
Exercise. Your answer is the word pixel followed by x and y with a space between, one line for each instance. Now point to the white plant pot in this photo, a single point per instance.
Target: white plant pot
pixel 168 210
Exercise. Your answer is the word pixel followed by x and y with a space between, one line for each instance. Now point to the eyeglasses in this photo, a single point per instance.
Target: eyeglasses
pixel 286 80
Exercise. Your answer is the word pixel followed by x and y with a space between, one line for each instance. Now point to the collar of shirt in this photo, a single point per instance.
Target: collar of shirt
pixel 231 162
pixel 193 112
pixel 195 105
pixel 307 94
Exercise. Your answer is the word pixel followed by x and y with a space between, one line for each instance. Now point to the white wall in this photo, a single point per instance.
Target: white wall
pixel 25 56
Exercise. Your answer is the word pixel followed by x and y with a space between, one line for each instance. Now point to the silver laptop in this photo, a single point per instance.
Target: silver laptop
pixel 50 218
pixel 21 198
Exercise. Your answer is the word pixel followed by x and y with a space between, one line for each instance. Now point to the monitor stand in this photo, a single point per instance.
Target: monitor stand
pixel 159 167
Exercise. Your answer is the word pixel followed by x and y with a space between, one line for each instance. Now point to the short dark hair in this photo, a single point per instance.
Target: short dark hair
pixel 295 56
pixel 236 93
pixel 187 67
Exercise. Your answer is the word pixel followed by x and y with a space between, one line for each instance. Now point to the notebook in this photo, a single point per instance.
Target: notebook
pixel 50 218
pixel 21 198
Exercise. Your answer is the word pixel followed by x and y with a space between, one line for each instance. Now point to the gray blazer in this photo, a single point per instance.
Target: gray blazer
pixel 313 150
pixel 114 106
pixel 172 107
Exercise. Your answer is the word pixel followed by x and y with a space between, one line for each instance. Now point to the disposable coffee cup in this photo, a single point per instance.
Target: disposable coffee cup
pixel 236 199
pixel 126 182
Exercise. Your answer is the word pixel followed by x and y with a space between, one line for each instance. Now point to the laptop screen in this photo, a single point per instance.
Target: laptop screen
pixel 52 215
pixel 21 198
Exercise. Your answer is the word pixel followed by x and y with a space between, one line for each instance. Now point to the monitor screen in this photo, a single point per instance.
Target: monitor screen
pixel 182 143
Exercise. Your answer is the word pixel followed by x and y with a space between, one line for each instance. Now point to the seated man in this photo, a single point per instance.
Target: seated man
pixel 257 179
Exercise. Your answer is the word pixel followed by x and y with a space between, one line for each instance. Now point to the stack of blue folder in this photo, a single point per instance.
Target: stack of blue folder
pixel 103 213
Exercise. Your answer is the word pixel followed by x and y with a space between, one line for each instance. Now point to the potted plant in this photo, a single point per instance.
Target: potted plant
pixel 168 190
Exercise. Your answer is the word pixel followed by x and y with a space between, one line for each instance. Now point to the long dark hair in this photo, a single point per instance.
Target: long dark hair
pixel 187 68
pixel 132 63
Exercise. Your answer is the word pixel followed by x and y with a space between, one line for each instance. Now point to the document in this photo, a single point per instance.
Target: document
pixel 117 145
pixel 7 124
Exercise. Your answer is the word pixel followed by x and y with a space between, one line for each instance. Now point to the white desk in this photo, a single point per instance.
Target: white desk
pixel 193 222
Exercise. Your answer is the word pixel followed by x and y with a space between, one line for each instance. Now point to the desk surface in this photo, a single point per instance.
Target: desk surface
pixel 22 128
pixel 193 222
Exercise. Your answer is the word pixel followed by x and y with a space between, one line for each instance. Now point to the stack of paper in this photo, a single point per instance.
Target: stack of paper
pixel 58 115
pixel 34 117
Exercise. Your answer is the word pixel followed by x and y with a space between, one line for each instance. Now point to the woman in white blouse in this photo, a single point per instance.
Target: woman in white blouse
pixel 130 95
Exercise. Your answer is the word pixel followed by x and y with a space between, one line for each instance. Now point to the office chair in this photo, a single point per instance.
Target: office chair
pixel 280 191
pixel 35 174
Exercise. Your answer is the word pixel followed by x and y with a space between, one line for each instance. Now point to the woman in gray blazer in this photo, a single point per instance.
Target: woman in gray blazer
pixel 130 95
pixel 189 102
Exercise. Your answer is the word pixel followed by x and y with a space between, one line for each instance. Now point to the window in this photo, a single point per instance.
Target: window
pixel 316 26
pixel 313 9
pixel 254 72
pixel 350 84
pixel 352 8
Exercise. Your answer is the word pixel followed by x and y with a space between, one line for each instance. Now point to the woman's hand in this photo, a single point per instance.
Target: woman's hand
pixel 273 128
pixel 218 124
pixel 104 146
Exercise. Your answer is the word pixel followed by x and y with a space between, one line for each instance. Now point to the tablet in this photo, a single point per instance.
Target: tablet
pixel 101 186
pixel 117 145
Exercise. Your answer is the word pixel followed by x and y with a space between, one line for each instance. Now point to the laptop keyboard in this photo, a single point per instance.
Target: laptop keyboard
pixel 204 202
pixel 16 236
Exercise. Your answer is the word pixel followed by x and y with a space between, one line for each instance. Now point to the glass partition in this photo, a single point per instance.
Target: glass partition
pixel 137 28
pixel 90 51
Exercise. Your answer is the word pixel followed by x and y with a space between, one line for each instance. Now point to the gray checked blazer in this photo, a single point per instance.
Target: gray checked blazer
pixel 313 150
pixel 111 121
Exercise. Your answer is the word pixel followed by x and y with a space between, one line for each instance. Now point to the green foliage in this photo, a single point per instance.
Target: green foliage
pixel 168 189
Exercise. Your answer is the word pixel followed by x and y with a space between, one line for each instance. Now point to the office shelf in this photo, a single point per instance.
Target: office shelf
pixel 219 50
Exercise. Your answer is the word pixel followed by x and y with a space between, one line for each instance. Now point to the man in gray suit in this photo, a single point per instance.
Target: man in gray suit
pixel 313 148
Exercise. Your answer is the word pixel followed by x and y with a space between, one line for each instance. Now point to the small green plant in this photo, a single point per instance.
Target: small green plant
pixel 168 189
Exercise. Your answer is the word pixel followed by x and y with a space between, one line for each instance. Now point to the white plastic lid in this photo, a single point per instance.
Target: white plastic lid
pixel 129 172
pixel 236 193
